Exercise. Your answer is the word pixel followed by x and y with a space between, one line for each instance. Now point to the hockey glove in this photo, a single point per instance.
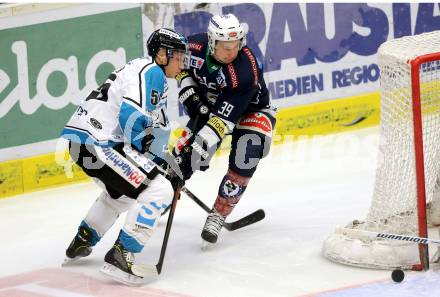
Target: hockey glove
pixel 193 103
pixel 176 181
pixel 146 143
pixel 193 156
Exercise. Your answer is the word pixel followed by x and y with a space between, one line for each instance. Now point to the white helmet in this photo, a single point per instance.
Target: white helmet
pixel 225 28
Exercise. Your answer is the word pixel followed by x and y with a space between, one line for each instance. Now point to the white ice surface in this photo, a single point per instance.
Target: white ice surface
pixel 306 188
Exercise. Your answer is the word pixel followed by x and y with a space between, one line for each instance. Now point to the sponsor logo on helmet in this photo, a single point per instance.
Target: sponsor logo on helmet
pixel 170 33
pixel 95 123
pixel 253 64
pixel 232 34
pixel 258 122
pixel 196 62
pixel 195 46
pixel 233 76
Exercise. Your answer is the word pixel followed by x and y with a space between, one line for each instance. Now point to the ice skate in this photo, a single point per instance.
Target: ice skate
pixel 212 228
pixel 118 264
pixel 81 246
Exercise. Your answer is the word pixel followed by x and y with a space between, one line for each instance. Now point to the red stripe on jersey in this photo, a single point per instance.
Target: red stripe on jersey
pixel 253 64
pixel 233 76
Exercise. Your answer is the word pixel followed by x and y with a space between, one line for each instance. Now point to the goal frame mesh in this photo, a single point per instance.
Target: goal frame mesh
pixel 400 254
pixel 419 154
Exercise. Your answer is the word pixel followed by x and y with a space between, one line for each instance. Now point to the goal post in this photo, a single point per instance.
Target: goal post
pixel 407 189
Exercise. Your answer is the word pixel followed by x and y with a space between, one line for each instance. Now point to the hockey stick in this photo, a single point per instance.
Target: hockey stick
pixel 371 234
pixel 148 271
pixel 251 218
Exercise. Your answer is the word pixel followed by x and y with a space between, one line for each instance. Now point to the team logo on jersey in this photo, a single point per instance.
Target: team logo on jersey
pixel 233 75
pixel 258 122
pixel 195 46
pixel 204 81
pixel 95 123
pixel 196 62
pixel 221 79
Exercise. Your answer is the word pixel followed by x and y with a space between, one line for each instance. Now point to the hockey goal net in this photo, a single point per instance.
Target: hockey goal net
pixel 406 188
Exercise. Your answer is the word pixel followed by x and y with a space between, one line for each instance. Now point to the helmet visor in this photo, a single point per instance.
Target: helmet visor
pixel 183 58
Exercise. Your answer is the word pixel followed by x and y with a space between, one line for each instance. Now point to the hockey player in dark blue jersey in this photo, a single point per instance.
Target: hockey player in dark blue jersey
pixel 224 92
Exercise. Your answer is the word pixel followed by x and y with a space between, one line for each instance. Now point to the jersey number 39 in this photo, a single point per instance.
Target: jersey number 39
pixel 226 109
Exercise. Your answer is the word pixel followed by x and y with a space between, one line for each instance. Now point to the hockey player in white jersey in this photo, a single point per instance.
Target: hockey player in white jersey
pixel 118 136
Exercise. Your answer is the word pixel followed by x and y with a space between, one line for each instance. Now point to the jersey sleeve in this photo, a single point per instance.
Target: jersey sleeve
pixel 154 88
pixel 139 102
pixel 133 123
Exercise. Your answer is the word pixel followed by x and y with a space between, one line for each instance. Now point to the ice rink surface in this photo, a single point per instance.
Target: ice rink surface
pixel 306 188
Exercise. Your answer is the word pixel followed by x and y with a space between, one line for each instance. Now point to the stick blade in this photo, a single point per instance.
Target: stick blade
pixel 254 217
pixel 146 271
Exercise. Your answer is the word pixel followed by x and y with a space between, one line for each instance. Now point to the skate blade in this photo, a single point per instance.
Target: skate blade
pixel 68 261
pixel 120 276
pixel 206 245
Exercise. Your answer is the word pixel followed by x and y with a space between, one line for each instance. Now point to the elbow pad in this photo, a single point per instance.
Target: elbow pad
pixel 192 102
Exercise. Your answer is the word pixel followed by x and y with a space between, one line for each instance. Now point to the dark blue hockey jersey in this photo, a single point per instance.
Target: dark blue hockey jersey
pixel 229 90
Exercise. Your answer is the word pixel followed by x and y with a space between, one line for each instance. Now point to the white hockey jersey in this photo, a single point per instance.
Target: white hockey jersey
pixel 129 105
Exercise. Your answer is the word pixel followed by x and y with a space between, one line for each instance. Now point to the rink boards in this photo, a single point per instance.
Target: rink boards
pixel 43 171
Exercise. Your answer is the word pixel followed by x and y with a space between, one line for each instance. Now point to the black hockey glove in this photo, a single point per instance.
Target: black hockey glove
pixel 193 103
pixel 146 143
pixel 176 181
pixel 193 156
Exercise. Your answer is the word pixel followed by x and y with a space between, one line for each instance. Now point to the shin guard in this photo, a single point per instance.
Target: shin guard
pixel 230 191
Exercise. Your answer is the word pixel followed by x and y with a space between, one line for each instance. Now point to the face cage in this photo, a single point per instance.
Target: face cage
pixel 186 57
